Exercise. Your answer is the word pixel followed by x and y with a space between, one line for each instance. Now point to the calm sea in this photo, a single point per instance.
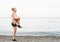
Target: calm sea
pixel 32 26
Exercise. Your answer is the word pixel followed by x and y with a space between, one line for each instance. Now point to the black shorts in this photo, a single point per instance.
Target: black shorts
pixel 13 24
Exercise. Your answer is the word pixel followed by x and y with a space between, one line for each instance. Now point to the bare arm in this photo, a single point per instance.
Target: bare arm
pixel 15 17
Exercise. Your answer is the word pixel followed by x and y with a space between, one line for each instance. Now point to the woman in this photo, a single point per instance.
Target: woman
pixel 15 22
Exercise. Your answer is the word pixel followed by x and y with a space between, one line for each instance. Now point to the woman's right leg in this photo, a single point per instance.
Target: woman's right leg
pixel 18 21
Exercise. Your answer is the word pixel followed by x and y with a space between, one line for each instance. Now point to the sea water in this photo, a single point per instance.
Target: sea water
pixel 32 26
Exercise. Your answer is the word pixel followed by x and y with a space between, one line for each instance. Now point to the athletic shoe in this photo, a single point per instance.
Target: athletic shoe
pixel 19 26
pixel 14 40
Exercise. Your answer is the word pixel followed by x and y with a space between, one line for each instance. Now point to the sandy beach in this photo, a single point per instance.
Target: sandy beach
pixel 30 39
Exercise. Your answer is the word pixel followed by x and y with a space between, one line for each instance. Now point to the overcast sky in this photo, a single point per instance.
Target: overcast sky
pixel 25 8
pixel 31 8
pixel 53 8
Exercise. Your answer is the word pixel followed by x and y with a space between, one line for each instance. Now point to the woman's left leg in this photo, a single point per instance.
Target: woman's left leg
pixel 14 33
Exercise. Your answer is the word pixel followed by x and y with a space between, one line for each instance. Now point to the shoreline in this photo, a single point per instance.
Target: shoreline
pixel 5 38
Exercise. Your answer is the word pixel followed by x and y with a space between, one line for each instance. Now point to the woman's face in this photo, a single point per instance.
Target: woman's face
pixel 14 10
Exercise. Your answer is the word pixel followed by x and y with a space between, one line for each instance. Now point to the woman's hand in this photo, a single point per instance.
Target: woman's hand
pixel 16 17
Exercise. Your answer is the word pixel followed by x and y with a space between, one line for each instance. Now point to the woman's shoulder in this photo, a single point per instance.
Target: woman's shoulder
pixel 12 14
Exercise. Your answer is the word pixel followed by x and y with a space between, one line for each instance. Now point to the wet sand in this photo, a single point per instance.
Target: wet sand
pixel 30 39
